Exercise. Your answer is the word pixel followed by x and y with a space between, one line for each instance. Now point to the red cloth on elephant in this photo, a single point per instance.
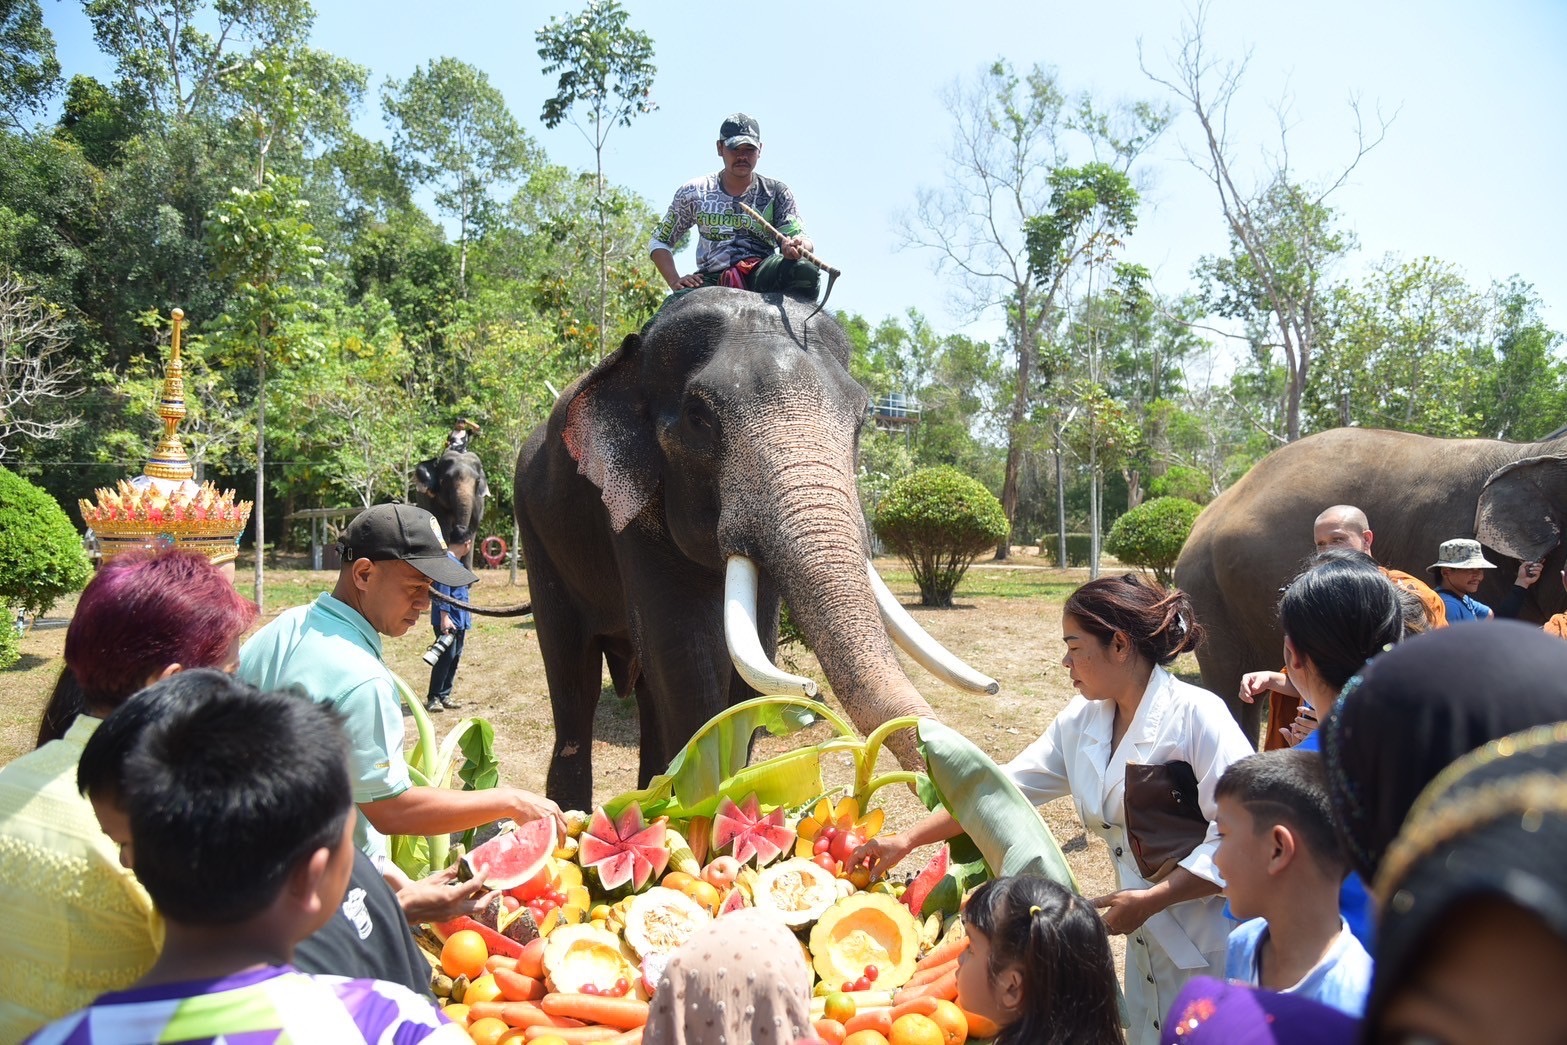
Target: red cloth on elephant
pixel 1282 708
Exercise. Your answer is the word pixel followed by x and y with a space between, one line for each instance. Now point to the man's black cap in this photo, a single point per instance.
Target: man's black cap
pixel 739 129
pixel 406 532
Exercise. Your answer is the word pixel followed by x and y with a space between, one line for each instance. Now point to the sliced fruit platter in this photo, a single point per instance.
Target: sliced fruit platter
pixel 575 944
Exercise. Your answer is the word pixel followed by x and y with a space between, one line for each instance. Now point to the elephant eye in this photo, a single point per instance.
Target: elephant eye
pixel 699 416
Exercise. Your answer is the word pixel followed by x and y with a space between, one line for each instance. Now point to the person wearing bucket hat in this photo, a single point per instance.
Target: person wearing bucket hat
pixel 331 649
pixel 1473 942
pixel 1460 567
pixel 733 250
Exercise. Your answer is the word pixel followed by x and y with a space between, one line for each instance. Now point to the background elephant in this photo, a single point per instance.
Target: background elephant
pixel 697 474
pixel 1416 492
pixel 452 488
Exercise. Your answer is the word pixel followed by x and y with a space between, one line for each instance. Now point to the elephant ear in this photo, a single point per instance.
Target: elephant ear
pixel 607 433
pixel 1520 511
pixel 424 475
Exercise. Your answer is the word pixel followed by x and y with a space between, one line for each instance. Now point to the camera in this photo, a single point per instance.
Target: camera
pixel 441 644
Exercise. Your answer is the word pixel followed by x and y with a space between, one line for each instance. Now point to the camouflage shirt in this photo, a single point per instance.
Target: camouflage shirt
pixel 726 234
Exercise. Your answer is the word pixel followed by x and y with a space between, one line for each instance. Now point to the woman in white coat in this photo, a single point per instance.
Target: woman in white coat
pixel 1120 634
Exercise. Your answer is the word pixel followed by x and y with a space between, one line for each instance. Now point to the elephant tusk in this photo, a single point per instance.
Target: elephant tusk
pixel 917 642
pixel 745 646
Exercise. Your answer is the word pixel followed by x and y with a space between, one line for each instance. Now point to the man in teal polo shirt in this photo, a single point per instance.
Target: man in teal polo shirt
pixel 331 648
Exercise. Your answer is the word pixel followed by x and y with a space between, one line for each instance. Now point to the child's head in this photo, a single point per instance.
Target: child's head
pixel 1038 964
pixel 1275 819
pixel 235 798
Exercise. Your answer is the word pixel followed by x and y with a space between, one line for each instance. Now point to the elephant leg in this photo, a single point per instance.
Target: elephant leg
pixel 651 757
pixel 1224 657
pixel 573 672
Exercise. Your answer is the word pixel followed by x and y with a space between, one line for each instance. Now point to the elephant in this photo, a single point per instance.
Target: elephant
pixel 1416 491
pixel 452 488
pixel 700 473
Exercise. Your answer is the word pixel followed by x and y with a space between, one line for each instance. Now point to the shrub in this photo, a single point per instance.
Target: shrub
pixel 1182 481
pixel 41 556
pixel 1079 548
pixel 1151 535
pixel 939 520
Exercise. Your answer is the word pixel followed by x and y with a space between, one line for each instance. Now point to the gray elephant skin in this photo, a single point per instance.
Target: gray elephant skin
pixel 1416 492
pixel 729 427
pixel 452 488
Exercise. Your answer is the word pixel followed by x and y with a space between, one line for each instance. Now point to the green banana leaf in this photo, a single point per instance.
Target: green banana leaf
pixel 713 763
pixel 432 766
pixel 1005 827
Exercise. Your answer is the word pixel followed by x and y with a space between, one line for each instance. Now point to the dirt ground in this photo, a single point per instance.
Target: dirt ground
pixel 1005 622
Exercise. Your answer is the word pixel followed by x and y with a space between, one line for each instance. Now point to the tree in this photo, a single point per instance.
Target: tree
pixel 939 520
pixel 36 372
pixel 452 128
pixel 1150 536
pixel 29 71
pixel 608 67
pixel 1009 135
pixel 1282 234
pixel 1523 392
pixel 41 556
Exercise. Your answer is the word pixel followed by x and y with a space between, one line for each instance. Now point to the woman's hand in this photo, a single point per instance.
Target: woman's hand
pixel 1303 726
pixel 440 897
pixel 1125 911
pixel 884 853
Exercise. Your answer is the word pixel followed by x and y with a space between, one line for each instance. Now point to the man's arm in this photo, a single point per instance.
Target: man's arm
pixel 664 261
pixel 440 810
pixel 677 221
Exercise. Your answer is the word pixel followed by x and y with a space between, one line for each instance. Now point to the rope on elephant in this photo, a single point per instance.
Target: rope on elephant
pixel 522 609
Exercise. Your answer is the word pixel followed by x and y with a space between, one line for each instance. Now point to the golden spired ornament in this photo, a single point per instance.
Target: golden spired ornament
pixel 164 507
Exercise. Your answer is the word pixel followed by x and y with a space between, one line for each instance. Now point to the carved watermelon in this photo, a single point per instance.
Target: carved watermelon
pixel 749 832
pixel 511 859
pixel 624 851
pixel 927 880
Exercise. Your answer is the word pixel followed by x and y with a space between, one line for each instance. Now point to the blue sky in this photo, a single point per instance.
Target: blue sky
pixel 847 97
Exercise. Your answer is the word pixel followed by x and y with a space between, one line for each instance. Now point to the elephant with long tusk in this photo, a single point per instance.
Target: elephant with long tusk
pixel 697 477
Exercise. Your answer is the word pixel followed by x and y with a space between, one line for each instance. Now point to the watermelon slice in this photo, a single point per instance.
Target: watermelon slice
pixel 623 851
pixel 749 832
pixel 735 901
pixel 927 880
pixel 508 860
pixel 496 943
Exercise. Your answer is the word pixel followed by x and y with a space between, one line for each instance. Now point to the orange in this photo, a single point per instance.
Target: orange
pixel 865 1037
pixel 949 1017
pixel 464 954
pixel 457 1012
pixel 679 881
pixel 704 893
pixel 514 1036
pixel 840 1007
pixel 483 989
pixel 487 1031
pixel 915 1029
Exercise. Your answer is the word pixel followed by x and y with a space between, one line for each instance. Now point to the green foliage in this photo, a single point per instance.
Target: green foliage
pixel 1184 482
pixel 29 71
pixel 1150 536
pixel 939 520
pixel 603 63
pixel 41 555
pixel 1079 548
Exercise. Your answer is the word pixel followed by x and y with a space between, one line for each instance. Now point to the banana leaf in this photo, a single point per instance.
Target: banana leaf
pixel 713 763
pixel 1005 827
pixel 432 766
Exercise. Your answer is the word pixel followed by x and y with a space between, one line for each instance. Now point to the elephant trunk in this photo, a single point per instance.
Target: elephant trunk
pixel 464 496
pixel 812 544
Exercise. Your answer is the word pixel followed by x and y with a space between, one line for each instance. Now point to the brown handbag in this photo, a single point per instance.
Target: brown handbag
pixel 1164 821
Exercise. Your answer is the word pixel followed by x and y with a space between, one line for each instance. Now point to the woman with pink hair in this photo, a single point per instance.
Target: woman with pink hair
pixel 79 923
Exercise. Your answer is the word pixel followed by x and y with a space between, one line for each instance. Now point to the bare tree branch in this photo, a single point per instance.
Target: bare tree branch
pixel 34 371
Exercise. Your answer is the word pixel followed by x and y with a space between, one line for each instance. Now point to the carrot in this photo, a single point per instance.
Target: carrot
pixel 830 1031
pixel 942 953
pixel 935 972
pixel 500 961
pixel 629 1037
pixel 946 987
pixel 532 961
pixel 572 1034
pixel 620 1013
pixel 517 987
pixel 979 1026
pixel 520 1014
pixel 878 1020
pixel 922 1006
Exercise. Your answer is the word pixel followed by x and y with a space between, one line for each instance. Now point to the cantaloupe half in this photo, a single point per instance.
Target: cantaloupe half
pixel 866 929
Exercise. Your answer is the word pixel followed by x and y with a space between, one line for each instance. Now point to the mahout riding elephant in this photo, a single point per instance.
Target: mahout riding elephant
pixel 1416 491
pixel 702 471
pixel 452 488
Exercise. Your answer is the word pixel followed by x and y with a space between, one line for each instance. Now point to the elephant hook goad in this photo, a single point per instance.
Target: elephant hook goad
pixel 1416 492
pixel 700 473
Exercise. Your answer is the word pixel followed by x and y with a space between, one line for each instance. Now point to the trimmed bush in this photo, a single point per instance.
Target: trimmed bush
pixel 1150 536
pixel 41 556
pixel 1079 548
pixel 939 521
pixel 1182 481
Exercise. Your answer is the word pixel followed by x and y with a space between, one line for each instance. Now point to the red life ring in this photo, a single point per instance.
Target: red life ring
pixel 494 551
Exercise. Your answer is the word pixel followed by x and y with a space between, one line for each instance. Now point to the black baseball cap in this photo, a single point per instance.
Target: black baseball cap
pixel 739 129
pixel 406 532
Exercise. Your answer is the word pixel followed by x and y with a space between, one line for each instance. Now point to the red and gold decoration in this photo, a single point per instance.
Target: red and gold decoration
pixel 164 506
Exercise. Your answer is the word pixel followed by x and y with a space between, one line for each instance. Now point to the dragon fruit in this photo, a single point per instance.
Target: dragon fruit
pixel 749 832
pixel 624 851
